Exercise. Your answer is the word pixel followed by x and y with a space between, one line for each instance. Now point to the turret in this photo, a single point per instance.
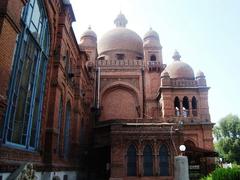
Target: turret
pixel 88 43
pixel 152 48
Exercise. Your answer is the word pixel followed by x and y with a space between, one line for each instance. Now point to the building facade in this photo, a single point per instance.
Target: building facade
pixel 96 110
pixel 144 109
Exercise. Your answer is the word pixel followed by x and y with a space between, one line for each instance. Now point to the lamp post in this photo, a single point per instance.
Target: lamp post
pixel 182 149
pixel 181 165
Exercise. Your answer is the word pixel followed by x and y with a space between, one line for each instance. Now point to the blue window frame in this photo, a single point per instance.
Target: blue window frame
pixel 26 88
pixel 148 161
pixel 132 161
pixel 163 161
pixel 67 130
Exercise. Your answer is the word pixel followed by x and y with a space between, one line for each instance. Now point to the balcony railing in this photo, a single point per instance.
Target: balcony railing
pixel 120 63
pixel 129 63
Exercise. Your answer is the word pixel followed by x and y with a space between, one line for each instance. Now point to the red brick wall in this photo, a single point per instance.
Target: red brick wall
pixel 9 28
pixel 119 104
pixel 57 83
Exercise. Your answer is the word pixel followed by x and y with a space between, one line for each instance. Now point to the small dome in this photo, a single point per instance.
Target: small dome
pixel 151 43
pixel 178 69
pixel 89 33
pixel 88 39
pixel 151 34
pixel 164 74
pixel 200 74
pixel 151 40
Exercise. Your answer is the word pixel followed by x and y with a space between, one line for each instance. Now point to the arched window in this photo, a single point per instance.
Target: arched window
pixel 147 161
pixel 131 161
pixel 153 58
pixel 60 113
pixel 177 106
pixel 25 97
pixel 163 161
pixel 67 130
pixel 194 106
pixel 185 106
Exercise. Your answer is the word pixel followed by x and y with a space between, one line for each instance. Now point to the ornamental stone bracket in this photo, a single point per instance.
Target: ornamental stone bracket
pixel 24 172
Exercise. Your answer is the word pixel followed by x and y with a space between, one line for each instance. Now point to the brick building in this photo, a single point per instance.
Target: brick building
pixel 95 110
pixel 46 90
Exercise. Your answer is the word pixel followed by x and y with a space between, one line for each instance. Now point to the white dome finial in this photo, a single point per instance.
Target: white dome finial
pixel 121 20
pixel 176 56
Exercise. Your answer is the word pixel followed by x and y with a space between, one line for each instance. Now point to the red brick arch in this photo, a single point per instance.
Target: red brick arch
pixel 119 101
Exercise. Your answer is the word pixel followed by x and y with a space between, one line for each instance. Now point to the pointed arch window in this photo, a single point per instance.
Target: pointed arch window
pixel 185 106
pixel 132 161
pixel 163 161
pixel 148 161
pixel 26 88
pixel 67 130
pixel 194 106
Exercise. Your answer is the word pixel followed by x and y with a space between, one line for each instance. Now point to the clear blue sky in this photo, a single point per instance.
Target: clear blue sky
pixel 205 32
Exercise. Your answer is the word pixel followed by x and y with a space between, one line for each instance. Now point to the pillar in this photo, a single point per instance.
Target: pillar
pixel 181 168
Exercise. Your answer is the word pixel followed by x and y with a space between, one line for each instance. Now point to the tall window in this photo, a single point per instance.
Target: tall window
pixel 177 106
pixel 185 106
pixel 163 161
pixel 60 112
pixel 148 161
pixel 194 106
pixel 67 130
pixel 26 88
pixel 131 161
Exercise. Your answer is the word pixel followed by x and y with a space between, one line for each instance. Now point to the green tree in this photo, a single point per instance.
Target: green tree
pixel 227 134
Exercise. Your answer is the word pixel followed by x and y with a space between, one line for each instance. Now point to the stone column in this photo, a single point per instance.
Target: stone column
pixel 181 168
pixel 181 108
pixel 190 109
pixel 140 166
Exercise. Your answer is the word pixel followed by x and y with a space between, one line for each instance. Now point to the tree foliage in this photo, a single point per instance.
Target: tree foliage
pixel 227 134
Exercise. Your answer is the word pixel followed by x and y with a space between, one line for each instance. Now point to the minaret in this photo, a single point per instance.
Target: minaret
pixel 152 50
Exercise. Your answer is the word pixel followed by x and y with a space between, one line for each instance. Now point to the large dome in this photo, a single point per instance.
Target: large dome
pixel 120 38
pixel 178 69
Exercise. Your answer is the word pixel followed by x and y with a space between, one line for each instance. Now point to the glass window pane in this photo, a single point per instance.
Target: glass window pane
pixel 28 77
pixel 67 130
pixel 148 161
pixel 163 161
pixel 131 161
pixel 36 14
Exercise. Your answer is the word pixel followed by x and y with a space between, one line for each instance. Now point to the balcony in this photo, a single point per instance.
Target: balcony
pixel 155 66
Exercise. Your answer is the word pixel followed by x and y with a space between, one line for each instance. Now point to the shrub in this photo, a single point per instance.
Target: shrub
pixel 224 174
